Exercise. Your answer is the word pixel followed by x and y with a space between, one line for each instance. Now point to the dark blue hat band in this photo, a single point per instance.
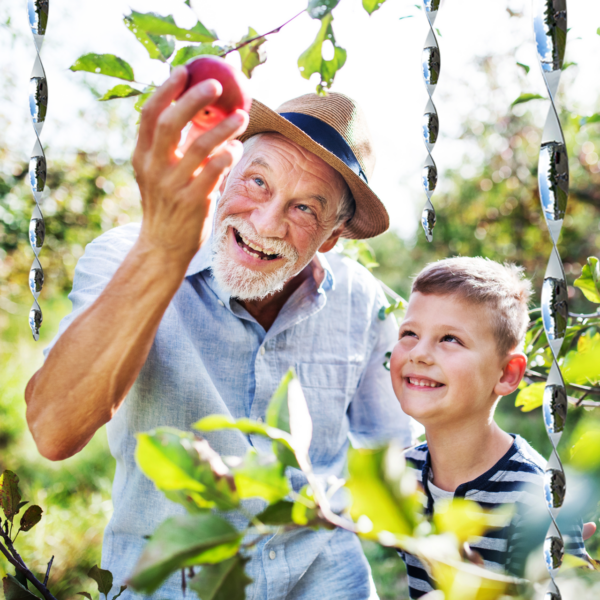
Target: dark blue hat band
pixel 328 137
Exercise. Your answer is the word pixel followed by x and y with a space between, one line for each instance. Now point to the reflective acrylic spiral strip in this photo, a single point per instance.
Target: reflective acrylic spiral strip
pixel 38 104
pixel 431 73
pixel 550 29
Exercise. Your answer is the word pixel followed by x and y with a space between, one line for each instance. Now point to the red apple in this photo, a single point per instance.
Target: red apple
pixel 234 96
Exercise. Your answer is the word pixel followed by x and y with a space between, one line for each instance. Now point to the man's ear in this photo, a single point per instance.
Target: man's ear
pixel 514 369
pixel 332 240
pixel 224 182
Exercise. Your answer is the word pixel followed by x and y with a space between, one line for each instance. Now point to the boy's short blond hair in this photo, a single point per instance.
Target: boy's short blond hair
pixel 503 288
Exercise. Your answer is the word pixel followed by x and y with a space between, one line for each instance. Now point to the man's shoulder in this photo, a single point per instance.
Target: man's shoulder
pixel 123 236
pixel 351 275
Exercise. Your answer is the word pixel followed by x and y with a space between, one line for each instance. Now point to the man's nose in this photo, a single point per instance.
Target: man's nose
pixel 269 218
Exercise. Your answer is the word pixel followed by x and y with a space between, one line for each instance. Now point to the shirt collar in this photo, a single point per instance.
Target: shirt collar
pixel 321 270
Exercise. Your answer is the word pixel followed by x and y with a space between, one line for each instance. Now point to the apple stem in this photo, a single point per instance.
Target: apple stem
pixel 258 37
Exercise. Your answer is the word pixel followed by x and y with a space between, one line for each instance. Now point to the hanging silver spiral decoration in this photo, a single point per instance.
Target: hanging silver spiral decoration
pixel 550 29
pixel 38 105
pixel 431 125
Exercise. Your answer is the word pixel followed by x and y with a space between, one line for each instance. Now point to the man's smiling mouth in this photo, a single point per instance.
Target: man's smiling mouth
pixel 422 382
pixel 252 249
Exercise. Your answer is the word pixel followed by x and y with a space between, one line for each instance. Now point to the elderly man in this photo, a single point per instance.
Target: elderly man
pixel 187 315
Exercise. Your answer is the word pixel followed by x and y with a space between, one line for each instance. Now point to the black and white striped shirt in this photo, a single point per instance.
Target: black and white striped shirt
pixel 517 478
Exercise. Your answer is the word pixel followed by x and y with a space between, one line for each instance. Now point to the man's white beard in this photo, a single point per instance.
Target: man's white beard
pixel 245 283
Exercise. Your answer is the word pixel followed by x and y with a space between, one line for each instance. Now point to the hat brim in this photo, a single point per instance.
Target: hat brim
pixel 371 217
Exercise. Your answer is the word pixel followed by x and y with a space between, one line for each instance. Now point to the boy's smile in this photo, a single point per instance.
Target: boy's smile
pixel 445 366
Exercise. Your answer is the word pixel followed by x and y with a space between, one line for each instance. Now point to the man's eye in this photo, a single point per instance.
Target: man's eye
pixel 259 181
pixel 304 208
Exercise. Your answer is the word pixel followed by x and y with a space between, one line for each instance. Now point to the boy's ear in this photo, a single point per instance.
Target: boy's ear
pixel 514 369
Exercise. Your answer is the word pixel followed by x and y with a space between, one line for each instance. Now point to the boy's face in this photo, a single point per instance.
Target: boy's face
pixel 445 366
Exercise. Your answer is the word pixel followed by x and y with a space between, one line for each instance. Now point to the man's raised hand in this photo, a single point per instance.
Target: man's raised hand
pixel 175 200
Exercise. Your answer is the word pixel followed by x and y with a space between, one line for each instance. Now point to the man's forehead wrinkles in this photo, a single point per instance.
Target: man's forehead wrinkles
pixel 259 160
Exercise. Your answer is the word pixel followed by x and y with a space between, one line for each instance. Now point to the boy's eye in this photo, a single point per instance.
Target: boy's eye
pixel 406 333
pixel 450 338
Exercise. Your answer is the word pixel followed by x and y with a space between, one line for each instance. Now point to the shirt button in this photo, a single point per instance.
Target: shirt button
pixel 259 420
pixel 272 555
pixel 221 303
pixel 262 350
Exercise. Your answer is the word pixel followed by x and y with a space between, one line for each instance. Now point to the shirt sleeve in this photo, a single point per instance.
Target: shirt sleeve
pixel 375 413
pixel 94 270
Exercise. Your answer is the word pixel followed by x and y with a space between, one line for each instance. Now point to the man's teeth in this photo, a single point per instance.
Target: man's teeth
pixel 255 247
pixel 424 382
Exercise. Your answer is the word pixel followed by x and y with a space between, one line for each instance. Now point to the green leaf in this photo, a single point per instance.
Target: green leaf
pixel 120 91
pixel 311 60
pixel 406 17
pixel 226 580
pixel 399 306
pixel 526 98
pixel 186 53
pixel 103 578
pixel 159 47
pixel 384 493
pixel 31 517
pixel 278 413
pixel 318 9
pixel 183 541
pixel 176 460
pixel 144 98
pixel 288 411
pixel 531 397
pixel 360 251
pixel 10 496
pixel 305 508
pixel 467 520
pixel 104 64
pixel 252 54
pixel 595 118
pixel 279 513
pixel 22 504
pixel 13 590
pixel 566 65
pixel 438 32
pixel 585 454
pixel 155 24
pixel 85 595
pixel 372 5
pixel 123 588
pixel 525 67
pixel 582 365
pixel 261 476
pixel 589 280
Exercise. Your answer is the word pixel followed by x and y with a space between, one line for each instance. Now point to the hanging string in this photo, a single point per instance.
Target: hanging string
pixel 38 105
pixel 550 30
pixel 431 73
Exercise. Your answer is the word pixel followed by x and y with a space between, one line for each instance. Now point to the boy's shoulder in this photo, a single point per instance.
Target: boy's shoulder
pixel 525 458
pixel 416 456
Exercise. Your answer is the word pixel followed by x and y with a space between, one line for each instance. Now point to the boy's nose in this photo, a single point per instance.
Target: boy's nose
pixel 421 353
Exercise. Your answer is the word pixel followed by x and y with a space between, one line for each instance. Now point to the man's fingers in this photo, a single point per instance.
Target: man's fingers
pixel 160 100
pixel 174 118
pixel 233 126
pixel 588 530
pixel 216 167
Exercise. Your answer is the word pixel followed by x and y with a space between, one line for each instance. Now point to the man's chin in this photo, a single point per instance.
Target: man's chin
pixel 245 283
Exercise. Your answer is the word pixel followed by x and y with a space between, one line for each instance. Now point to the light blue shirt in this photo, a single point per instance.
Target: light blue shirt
pixel 211 356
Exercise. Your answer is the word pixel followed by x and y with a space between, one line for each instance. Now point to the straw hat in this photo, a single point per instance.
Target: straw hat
pixel 334 128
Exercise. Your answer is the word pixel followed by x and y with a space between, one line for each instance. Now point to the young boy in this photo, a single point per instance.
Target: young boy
pixel 459 350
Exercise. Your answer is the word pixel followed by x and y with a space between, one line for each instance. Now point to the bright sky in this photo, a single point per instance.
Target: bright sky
pixel 382 72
